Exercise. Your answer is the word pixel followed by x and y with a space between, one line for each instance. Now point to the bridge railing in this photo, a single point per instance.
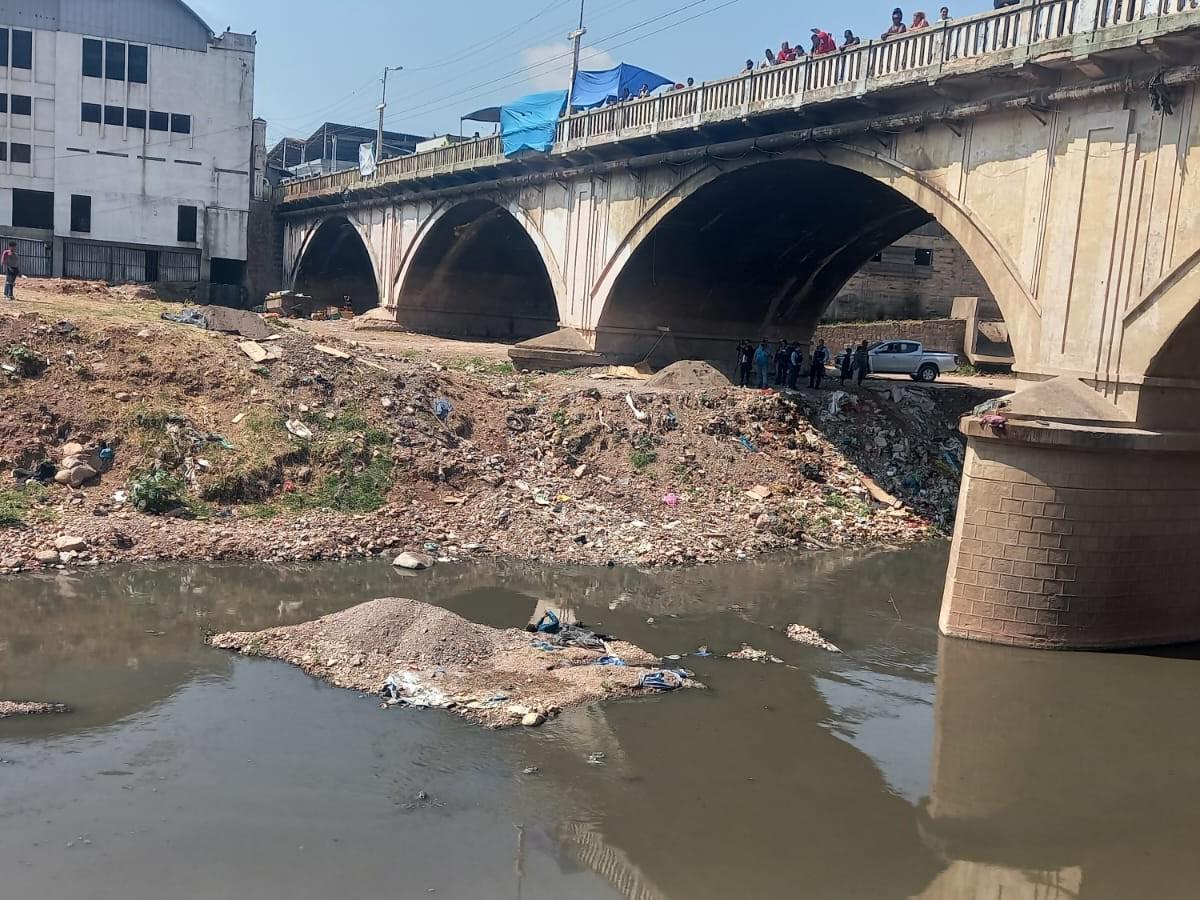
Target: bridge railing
pixel 920 54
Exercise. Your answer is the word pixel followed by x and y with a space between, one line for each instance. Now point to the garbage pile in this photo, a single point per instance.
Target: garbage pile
pixel 14 708
pixel 417 655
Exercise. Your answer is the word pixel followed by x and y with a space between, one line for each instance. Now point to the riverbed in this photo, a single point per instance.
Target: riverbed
pixel 906 766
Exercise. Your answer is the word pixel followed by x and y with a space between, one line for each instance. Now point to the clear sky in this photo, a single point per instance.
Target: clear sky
pixel 320 61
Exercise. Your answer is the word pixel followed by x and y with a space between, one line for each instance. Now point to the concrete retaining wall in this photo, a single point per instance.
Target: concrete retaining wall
pixel 935 334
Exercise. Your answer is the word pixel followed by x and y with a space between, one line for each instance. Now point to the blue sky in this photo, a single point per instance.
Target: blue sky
pixel 321 61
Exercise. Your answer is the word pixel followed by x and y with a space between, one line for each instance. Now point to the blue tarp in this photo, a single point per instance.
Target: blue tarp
pixel 595 88
pixel 528 123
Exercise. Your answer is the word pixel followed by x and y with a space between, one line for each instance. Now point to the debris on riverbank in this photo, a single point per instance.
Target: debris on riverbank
pixel 17 708
pixel 802 634
pixel 141 439
pixel 421 655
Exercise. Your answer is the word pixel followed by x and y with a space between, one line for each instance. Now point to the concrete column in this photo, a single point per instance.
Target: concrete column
pixel 1075 536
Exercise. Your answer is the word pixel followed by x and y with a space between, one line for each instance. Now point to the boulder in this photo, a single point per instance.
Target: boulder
pixel 71 543
pixel 413 561
pixel 80 475
pixel 10 562
pixel 47 557
pixel 71 449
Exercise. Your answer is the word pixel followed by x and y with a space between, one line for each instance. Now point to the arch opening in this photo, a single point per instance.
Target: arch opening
pixel 759 252
pixel 336 265
pixel 478 274
pixel 1171 393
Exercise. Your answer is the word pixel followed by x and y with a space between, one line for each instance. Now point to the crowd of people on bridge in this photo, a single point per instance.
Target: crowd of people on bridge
pixel 754 364
pixel 822 42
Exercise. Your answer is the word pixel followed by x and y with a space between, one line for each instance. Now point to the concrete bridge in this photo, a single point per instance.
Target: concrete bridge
pixel 1056 141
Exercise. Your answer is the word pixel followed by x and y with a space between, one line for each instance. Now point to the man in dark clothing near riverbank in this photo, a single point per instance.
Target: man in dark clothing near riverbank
pixel 795 361
pixel 862 361
pixel 816 370
pixel 781 364
pixel 847 363
pixel 745 362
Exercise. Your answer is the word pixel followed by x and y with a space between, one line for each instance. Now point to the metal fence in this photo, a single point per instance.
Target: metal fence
pixel 34 258
pixel 104 262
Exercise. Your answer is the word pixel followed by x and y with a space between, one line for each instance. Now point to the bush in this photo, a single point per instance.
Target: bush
pixel 156 492
pixel 28 363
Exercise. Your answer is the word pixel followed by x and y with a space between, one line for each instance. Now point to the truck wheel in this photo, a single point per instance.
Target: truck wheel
pixel 927 372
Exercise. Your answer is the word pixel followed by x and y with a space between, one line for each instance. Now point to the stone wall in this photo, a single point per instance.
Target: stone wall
pixel 896 286
pixel 935 334
pixel 264 252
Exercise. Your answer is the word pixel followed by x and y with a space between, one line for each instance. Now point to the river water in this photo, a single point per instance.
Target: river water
pixel 908 766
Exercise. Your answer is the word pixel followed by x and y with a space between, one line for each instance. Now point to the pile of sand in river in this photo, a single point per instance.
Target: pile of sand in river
pixel 494 677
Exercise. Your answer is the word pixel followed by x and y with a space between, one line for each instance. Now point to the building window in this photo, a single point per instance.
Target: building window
pixel 3 103
pixel 22 49
pixel 139 64
pixel 3 46
pixel 114 115
pixel 81 213
pixel 32 209
pixel 3 151
pixel 160 121
pixel 922 257
pixel 21 153
pixel 90 112
pixel 22 105
pixel 135 118
pixel 187 225
pixel 93 58
pixel 114 60
pixel 181 124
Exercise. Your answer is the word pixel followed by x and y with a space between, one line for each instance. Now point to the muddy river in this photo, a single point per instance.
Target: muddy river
pixel 908 766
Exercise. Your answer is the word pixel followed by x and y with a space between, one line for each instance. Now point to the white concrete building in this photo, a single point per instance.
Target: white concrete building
pixel 126 131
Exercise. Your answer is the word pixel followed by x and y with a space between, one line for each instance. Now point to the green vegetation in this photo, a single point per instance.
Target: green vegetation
pixel 835 501
pixel 559 417
pixel 28 363
pixel 347 491
pixel 966 369
pixel 643 453
pixel 17 504
pixel 157 491
pixel 479 364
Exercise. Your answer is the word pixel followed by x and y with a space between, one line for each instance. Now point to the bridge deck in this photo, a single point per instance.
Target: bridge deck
pixel 1044 34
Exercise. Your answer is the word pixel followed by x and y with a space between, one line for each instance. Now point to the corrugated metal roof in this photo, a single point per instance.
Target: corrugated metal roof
pixel 168 23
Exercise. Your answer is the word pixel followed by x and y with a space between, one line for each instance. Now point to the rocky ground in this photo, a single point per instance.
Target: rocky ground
pixel 168 441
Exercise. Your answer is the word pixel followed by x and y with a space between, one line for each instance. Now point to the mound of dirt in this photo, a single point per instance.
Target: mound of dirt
pixel 12 708
pixel 689 375
pixel 432 657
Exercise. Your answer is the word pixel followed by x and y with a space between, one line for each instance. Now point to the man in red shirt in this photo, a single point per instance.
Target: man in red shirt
pixel 786 54
pixel 822 42
pixel 8 262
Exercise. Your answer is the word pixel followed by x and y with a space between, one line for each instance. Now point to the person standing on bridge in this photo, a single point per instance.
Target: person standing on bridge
pixel 850 39
pixel 762 362
pixel 745 362
pixel 822 42
pixel 897 24
pixel 862 361
pixel 920 20
pixel 816 369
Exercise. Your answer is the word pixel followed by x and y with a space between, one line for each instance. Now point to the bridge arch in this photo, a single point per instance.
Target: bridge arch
pixel 335 261
pixel 761 246
pixel 479 268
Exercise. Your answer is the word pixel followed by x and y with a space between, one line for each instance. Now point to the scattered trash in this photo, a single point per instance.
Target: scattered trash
pixel 442 408
pixel 994 421
pixel 664 679
pixel 637 413
pixel 746 445
pixel 65 327
pixel 187 317
pixel 407 688
pixel 804 635
pixel 702 650
pixel 747 652
pixel 837 400
pixel 670 421
pixel 596 759
pixel 877 493
pixel 610 660
pixel 296 428
pixel 258 353
pixel 671 500
pixel 331 351
pixel 759 492
pixel 530 770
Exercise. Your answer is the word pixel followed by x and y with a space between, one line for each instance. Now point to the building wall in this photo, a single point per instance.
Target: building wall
pixel 137 178
pixel 898 287
pixel 935 334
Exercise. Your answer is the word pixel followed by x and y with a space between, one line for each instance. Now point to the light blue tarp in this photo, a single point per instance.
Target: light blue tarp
pixel 528 123
pixel 595 88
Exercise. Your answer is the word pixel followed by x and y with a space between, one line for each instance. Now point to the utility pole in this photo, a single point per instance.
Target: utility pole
pixel 576 36
pixel 382 107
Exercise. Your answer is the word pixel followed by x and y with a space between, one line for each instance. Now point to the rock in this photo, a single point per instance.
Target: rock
pixel 70 542
pixel 759 492
pixel 256 351
pixel 122 396
pixel 47 557
pixel 71 449
pixel 80 475
pixel 62 476
pixel 532 720
pixel 580 471
pixel 413 561
pixel 10 562
pixel 331 351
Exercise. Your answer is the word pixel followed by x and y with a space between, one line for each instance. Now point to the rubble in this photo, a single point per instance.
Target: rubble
pixel 14 708
pixel 420 655
pixel 801 634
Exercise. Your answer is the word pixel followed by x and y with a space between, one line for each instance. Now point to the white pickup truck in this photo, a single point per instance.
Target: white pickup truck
pixel 909 358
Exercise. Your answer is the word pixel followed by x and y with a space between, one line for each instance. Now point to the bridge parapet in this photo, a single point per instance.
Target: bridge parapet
pixel 1052 32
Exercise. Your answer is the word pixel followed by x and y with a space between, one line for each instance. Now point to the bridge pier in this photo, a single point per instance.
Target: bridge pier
pixel 1074 535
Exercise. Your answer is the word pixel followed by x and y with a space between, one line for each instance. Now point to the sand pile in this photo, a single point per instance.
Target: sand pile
pixel 688 375
pixel 11 708
pixel 435 658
